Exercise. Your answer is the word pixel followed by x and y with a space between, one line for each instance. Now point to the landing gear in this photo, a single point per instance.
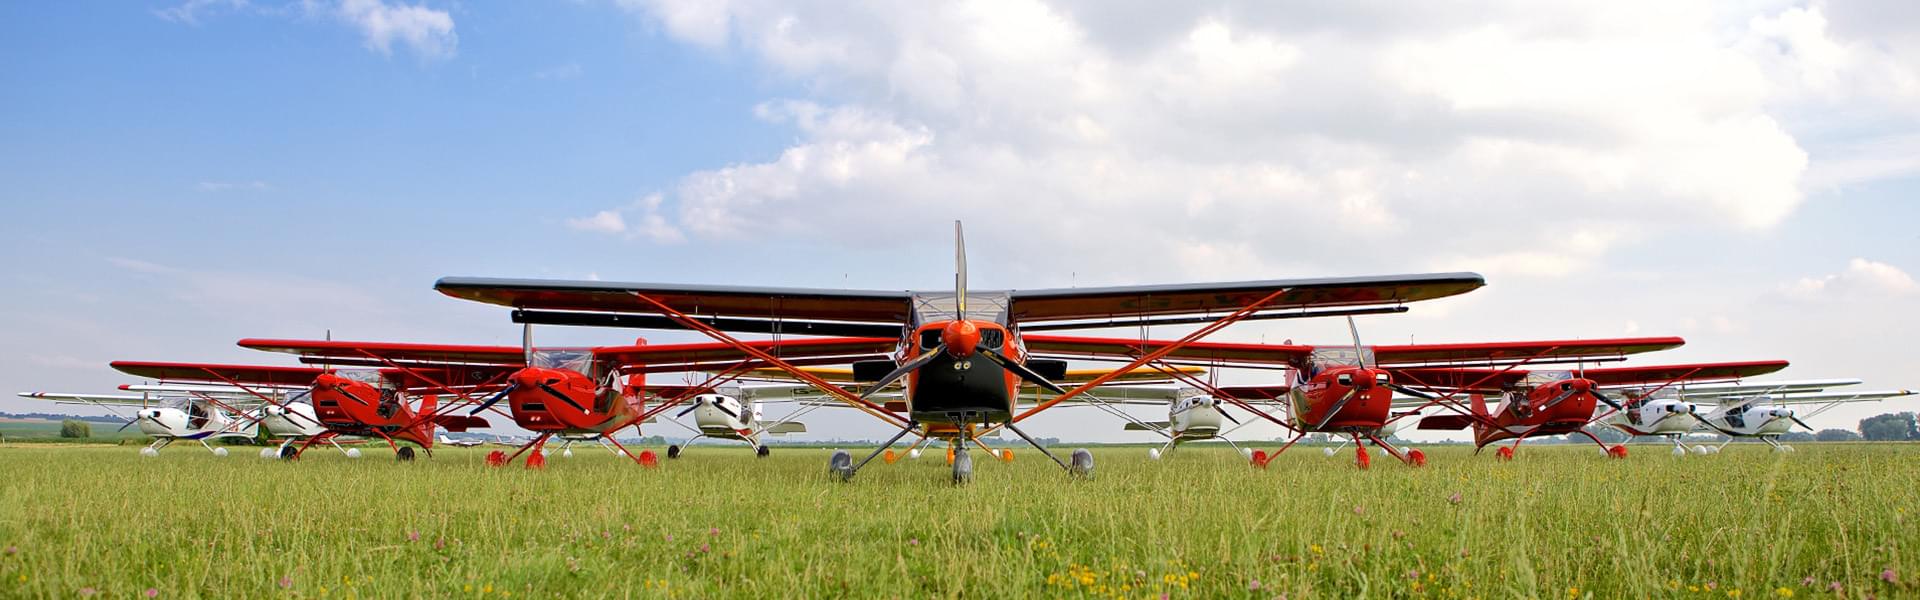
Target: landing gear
pixel 1081 463
pixel 404 454
pixel 673 451
pixel 220 452
pixel 762 451
pixel 841 464
pixel 288 452
pixel 962 465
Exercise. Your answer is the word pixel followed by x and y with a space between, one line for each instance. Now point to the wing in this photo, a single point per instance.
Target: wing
pixel 1258 393
pixel 844 375
pixel 377 353
pixel 1510 352
pixel 215 373
pixel 665 358
pixel 1664 374
pixel 1126 394
pixel 1814 398
pixel 1210 353
pixel 1222 298
pixel 706 300
pixel 112 399
pixel 1804 386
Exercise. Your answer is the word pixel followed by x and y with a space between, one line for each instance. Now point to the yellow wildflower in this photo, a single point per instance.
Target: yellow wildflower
pixel 1784 592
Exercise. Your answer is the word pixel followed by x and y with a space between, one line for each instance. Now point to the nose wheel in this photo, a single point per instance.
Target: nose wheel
pixel 762 451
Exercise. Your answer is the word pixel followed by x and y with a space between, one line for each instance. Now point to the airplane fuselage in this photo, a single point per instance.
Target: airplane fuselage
pixel 566 401
pixel 1556 408
pixel 353 407
pixel 961 386
pixel 1342 399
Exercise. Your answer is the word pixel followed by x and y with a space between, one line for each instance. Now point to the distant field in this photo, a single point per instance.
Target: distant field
pixel 41 430
pixel 1557 523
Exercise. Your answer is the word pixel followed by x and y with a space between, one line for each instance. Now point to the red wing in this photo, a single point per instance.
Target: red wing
pixel 703 300
pixel 1508 352
pixel 1446 422
pixel 220 374
pixel 440 379
pixel 459 423
pixel 1447 378
pixel 1196 352
pixel 1221 298
pixel 1656 375
pixel 663 358
pixel 362 352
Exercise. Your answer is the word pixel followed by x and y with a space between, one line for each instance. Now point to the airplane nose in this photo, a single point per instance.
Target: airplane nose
pixel 961 338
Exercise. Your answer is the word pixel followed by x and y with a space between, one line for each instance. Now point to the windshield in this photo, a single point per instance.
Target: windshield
pixel 1340 356
pixel 931 307
pixel 366 376
pixel 578 360
pixel 1540 378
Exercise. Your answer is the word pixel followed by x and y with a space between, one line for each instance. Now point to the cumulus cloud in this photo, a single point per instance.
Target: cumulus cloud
pixel 1862 277
pixel 428 32
pixel 189 12
pixel 650 225
pixel 1522 141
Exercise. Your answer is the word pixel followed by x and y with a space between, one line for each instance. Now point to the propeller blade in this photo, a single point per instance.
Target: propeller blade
pixel 1359 353
pixel 1223 412
pixel 491 401
pixel 124 426
pixel 690 407
pixel 1020 369
pixel 563 397
pixel 730 414
pixel 1335 410
pixel 1801 423
pixel 343 391
pixel 926 356
pixel 959 271
pixel 1607 401
pixel 526 343
pixel 1558 399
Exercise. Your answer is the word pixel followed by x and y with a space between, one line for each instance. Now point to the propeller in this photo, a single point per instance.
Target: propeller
pixel 1605 400
pixel 563 397
pixel 129 423
pixel 690 407
pixel 1217 407
pixel 526 343
pixel 902 371
pixel 1797 421
pixel 1020 369
pixel 1335 409
pixel 492 401
pixel 1359 353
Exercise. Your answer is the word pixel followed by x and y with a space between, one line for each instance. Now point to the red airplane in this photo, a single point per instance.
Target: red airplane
pixel 581 393
pixel 1345 389
pixel 1537 403
pixel 961 351
pixel 376 403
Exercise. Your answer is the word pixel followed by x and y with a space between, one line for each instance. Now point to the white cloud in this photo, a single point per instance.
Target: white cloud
pixel 1532 141
pixel 189 12
pixel 606 221
pixel 1862 277
pixel 428 32
pixel 651 225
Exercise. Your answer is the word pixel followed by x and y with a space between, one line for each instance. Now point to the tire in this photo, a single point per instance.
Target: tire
pixel 673 451
pixel 405 454
pixel 762 451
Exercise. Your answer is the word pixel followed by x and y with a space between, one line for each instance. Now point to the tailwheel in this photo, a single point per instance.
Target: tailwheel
pixel 1261 458
pixel 762 451
pixel 1361 458
pixel 404 454
pixel 1617 451
pixel 1504 453
pixel 1006 455
pixel 962 466
pixel 537 459
pixel 673 451
pixel 890 457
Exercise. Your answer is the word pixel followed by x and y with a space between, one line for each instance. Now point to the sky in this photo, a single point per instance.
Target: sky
pixel 175 176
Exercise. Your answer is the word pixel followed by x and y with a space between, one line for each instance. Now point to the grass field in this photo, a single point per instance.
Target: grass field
pixel 1557 523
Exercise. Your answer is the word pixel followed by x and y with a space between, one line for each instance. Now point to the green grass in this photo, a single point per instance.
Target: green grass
pixel 1556 523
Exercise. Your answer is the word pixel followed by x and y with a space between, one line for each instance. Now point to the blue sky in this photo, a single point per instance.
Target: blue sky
pixel 176 176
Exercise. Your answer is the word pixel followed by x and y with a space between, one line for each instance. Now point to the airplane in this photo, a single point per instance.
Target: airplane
pixel 1558 402
pixel 394 405
pixel 171 418
pixel 960 352
pixel 1672 412
pixel 580 394
pixel 289 419
pixel 735 414
pixel 459 443
pixel 1349 390
pixel 1767 415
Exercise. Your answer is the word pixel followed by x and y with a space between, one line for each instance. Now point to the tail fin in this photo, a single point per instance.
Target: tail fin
pixel 428 403
pixel 1480 405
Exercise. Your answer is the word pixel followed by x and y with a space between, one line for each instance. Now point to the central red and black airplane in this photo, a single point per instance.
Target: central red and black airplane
pixel 960 352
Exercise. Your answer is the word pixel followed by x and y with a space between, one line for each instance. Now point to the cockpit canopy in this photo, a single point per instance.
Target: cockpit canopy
pixel 930 307
pixel 366 376
pixel 578 360
pixel 1341 356
pixel 1541 378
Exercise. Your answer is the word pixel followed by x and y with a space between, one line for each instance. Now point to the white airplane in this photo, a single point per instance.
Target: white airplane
pixel 291 420
pixel 737 413
pixel 170 418
pixel 462 442
pixel 1675 412
pixel 1768 416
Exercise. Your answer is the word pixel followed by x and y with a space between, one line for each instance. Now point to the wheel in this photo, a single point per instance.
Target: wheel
pixel 353 453
pixel 1678 451
pixel 404 454
pixel 1153 453
pixel 1081 463
pixel 673 451
pixel 762 451
pixel 566 453
pixel 962 466
pixel 220 452
pixel 268 454
pixel 149 452
pixel 288 452
pixel 841 465
pixel 1329 451
pixel 914 453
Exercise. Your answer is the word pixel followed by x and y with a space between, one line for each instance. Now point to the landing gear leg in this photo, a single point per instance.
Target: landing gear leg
pixel 1043 450
pixel 1156 453
pixel 962 464
pixel 842 466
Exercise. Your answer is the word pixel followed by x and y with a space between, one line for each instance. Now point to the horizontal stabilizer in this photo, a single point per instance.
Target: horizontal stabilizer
pixel 788 427
pixel 1446 422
